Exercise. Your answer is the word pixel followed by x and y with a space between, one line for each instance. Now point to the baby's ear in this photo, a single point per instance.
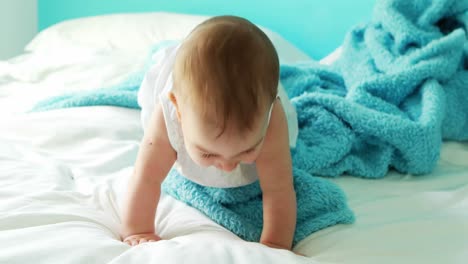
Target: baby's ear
pixel 173 99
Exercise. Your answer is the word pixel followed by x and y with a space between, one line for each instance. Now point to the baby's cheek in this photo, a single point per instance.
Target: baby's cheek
pixel 200 161
pixel 203 163
pixel 249 159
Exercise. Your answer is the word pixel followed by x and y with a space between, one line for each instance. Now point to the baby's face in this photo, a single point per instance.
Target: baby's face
pixel 226 151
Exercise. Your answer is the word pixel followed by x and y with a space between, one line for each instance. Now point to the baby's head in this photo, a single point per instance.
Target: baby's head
pixel 225 82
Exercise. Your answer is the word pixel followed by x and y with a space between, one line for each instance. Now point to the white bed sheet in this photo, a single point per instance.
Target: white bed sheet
pixel 63 175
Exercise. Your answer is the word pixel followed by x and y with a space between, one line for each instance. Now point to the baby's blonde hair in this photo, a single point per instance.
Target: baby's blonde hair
pixel 228 70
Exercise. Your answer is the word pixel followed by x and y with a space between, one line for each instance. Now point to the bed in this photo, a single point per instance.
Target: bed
pixel 63 172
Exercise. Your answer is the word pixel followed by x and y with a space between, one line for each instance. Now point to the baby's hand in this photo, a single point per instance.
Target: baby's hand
pixel 137 239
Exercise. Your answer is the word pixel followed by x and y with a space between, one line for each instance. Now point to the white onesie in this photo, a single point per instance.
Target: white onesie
pixel 156 87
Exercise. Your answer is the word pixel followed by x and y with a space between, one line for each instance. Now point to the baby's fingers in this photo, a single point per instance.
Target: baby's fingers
pixel 131 242
pixel 140 239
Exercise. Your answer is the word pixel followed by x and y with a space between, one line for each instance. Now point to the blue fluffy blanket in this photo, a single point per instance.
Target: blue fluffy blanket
pixel 398 90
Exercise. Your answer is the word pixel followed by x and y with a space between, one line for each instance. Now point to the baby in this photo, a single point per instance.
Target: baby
pixel 213 107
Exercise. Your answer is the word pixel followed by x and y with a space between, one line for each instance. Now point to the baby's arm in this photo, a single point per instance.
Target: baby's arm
pixel 274 167
pixel 155 158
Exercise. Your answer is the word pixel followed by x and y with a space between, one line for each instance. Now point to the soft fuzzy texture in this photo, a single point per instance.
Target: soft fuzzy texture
pixel 399 88
pixel 122 95
pixel 320 204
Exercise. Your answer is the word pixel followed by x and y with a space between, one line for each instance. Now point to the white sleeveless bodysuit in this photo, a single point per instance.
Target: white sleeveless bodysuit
pixel 156 87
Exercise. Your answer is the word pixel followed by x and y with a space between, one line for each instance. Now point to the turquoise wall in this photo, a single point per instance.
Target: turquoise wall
pixel 317 27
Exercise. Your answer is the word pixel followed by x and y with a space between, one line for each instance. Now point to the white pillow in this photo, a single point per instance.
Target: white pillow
pixel 135 32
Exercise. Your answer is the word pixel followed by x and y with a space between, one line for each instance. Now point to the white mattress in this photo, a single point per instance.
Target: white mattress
pixel 63 174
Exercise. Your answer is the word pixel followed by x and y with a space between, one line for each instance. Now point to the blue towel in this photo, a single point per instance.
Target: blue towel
pixel 320 204
pixel 398 90
pixel 122 95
